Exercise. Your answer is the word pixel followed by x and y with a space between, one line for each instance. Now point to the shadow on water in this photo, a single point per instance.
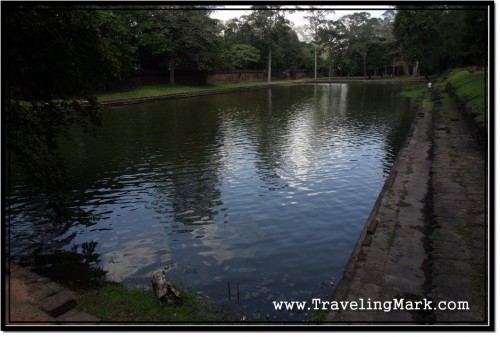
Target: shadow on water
pixel 47 236
pixel 77 268
pixel 248 198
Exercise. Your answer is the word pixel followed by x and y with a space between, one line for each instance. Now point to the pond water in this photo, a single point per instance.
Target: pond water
pixel 246 197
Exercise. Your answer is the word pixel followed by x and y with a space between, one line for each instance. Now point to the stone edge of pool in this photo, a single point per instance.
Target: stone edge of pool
pixel 413 246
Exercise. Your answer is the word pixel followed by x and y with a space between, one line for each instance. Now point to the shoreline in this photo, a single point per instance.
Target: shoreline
pixel 148 99
pixel 425 238
pixel 128 101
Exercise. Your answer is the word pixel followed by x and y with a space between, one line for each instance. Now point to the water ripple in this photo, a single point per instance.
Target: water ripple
pixel 267 188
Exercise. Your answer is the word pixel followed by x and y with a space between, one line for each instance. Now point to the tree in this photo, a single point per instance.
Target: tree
pixel 475 36
pixel 333 36
pixel 388 40
pixel 53 56
pixel 442 36
pixel 58 53
pixel 116 29
pixel 316 19
pixel 243 55
pixel 415 32
pixel 267 17
pixel 362 34
pixel 185 38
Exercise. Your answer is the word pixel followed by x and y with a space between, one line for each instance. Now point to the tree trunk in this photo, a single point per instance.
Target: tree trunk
pixel 315 61
pixel 415 69
pixel 364 64
pixel 330 70
pixel 171 67
pixel 405 66
pixel 393 66
pixel 269 64
pixel 163 289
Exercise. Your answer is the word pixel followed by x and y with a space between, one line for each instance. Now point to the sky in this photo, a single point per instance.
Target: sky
pixel 297 17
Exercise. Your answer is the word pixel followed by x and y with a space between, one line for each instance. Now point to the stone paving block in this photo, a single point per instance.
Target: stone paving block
pixel 40 291
pixel 448 187
pixel 83 317
pixel 450 250
pixel 403 284
pixel 372 276
pixel 449 223
pixel 450 212
pixel 457 198
pixel 43 280
pixel 372 227
pixel 376 261
pixel 368 291
pixel 451 288
pixel 57 304
pixel 367 240
pixel 445 234
pixel 54 286
pixel 74 315
pixel 451 267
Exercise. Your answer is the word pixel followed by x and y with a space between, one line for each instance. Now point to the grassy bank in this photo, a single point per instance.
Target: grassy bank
pixel 470 86
pixel 415 91
pixel 168 89
pixel 116 302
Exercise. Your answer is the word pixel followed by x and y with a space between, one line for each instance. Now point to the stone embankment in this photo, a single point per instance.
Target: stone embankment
pixel 426 238
pixel 34 300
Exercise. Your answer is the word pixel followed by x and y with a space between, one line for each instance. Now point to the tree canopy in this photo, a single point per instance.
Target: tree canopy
pixel 441 37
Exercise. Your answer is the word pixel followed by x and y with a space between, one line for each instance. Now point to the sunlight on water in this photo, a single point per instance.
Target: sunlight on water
pixel 265 191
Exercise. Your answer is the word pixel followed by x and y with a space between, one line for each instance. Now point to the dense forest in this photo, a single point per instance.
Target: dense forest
pixel 59 51
pixel 54 54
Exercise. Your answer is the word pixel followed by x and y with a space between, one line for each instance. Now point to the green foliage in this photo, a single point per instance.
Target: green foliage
pixel 332 35
pixel 115 302
pixel 428 104
pixel 357 44
pixel 53 52
pixel 33 132
pixel 262 31
pixel 441 37
pixel 415 91
pixel 471 86
pixel 475 37
pixel 318 316
pixel 117 41
pixel 191 36
pixel 243 55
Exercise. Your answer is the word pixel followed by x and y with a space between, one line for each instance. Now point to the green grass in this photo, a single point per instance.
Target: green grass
pixel 116 302
pixel 472 87
pixel 318 316
pixel 168 89
pixel 414 91
pixel 428 104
